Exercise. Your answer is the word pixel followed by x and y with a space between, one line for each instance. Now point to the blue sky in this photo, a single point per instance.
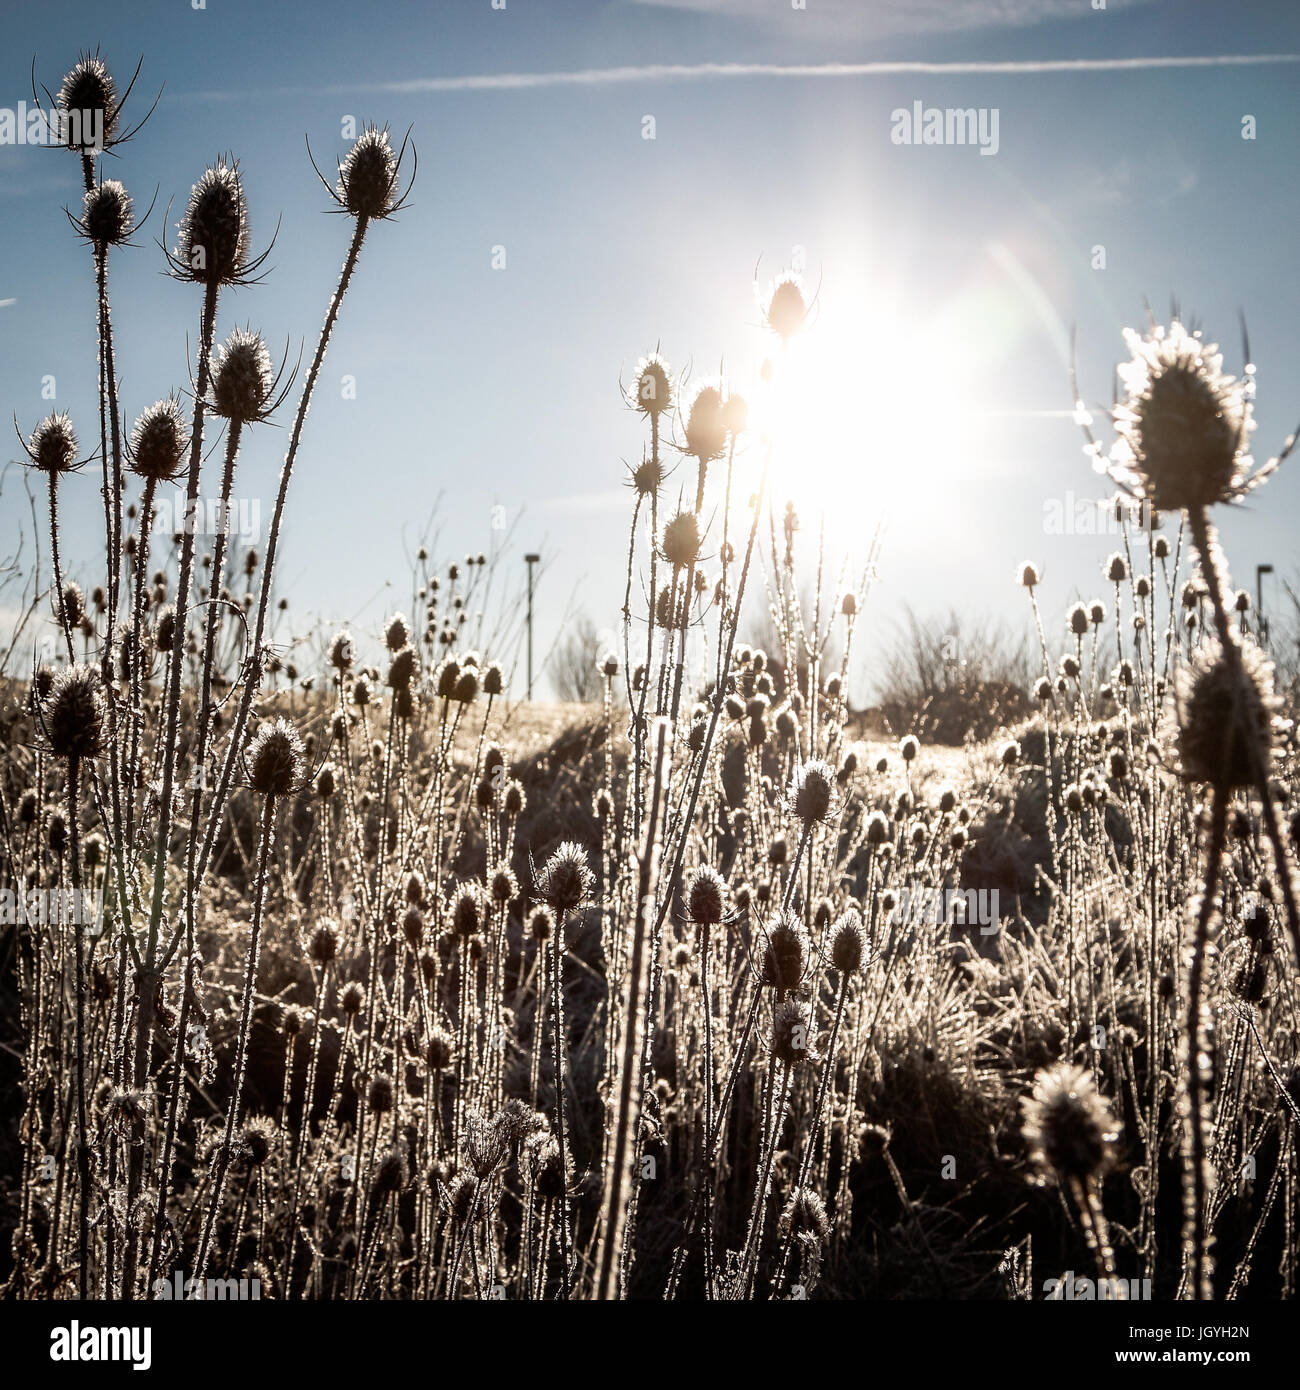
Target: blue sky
pixel 949 281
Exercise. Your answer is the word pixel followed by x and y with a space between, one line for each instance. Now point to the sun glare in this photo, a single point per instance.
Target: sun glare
pixel 864 409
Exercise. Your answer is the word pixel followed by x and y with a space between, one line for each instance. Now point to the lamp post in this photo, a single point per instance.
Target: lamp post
pixel 1260 572
pixel 530 561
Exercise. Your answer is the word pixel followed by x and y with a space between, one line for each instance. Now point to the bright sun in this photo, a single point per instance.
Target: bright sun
pixel 864 409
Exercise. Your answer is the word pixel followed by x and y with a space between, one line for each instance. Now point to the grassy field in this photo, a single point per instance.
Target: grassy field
pixel 395 988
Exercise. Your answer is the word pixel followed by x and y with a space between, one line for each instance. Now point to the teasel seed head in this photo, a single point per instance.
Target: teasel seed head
pixel 786 309
pixel 785 952
pixel 504 887
pixel 74 602
pixel 554 1170
pixel 88 95
pixel 1185 425
pixel 804 1218
pixel 257 1138
pixel 159 441
pixel 812 794
pixel 792 1040
pixel 706 424
pixel 706 896
pixel 127 1109
pixel 848 943
pixel 647 477
pixel 1225 717
pixel 486 1145
pixel 164 633
pixel 566 881
pixel 653 391
pixel 1068 1125
pixel 274 758
pixel 53 445
pixel 107 217
pixel 214 236
pixel 74 713
pixel 446 678
pixel 403 668
pixel 466 912
pixel 243 378
pixel 681 540
pixel 467 685
pixel 367 182
pixel 459 1196
pixel 324 947
pixel 380 1095
pixel 440 1050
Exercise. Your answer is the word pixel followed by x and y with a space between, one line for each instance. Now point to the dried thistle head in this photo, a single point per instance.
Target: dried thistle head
pixel 440 1049
pixel 706 424
pixel 323 947
pixel 792 1040
pixel 368 176
pixel 257 1139
pixel 342 651
pixel 1224 711
pixel 1185 425
pixel 213 248
pixel 786 309
pixel 87 99
pixel 652 393
pixel 812 794
pixel 804 1217
pixel 391 1173
pixel 681 540
pixel 243 378
pixel 566 881
pixel 159 442
pixel 52 447
pixel 466 911
pixel 785 953
pixel 485 1143
pixel 107 215
pixel 1068 1125
pixel 275 758
pixel 848 943
pixel 706 896
pixel 74 712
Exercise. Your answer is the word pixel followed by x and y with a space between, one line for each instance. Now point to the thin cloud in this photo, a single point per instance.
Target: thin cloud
pixel 700 72
pixel 5 303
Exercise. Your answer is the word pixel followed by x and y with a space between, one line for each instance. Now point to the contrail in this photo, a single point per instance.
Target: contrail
pixel 697 72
